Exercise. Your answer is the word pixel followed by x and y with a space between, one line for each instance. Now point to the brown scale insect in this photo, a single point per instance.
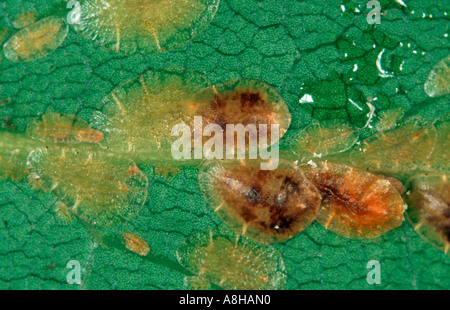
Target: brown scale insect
pixel 266 205
pixel 428 198
pixel 355 203
pixel 135 244
pixel 251 102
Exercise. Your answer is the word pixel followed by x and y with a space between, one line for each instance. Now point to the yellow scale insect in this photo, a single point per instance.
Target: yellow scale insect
pixel 399 151
pixel 101 189
pixel 140 26
pixel 138 116
pixel 36 40
pixel 233 262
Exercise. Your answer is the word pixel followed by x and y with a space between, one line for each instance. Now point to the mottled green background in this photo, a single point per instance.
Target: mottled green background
pixel 298 47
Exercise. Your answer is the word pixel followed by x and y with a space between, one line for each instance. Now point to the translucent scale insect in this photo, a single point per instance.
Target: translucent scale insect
pixel 438 81
pixel 139 115
pixel 428 198
pixel 355 203
pixel 233 262
pixel 439 159
pixel 398 151
pixel 139 26
pixel 322 139
pixel 266 205
pixel 36 40
pixel 102 189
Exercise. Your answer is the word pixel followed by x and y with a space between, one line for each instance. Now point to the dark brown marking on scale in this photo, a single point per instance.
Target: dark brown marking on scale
pixel 267 205
pixel 250 102
pixel 428 197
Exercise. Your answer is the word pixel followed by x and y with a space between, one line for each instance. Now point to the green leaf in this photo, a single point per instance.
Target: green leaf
pixel 298 47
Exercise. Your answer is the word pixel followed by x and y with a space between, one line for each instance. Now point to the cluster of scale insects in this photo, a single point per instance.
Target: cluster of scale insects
pixel 354 188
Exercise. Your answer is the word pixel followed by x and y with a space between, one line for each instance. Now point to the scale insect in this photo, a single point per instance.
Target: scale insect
pixel 147 27
pixel 97 187
pixel 36 40
pixel 355 203
pixel 265 205
pixel 233 262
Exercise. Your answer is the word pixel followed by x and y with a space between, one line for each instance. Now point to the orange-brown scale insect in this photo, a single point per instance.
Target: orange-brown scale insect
pixel 136 244
pixel 91 136
pixel 355 203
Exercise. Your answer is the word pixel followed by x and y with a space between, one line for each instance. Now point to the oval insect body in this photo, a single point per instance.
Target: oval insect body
pixel 398 151
pixel 322 139
pixel 355 203
pixel 233 262
pixel 36 40
pixel 251 102
pixel 139 115
pixel 139 26
pixel 136 244
pixel 438 81
pixel 266 205
pixel 95 186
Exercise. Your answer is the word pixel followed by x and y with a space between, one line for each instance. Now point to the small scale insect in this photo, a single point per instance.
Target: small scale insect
pixel 438 81
pixel 90 183
pixel 136 244
pixel 265 205
pixel 428 198
pixel 388 119
pixel 233 262
pixel 398 151
pixel 355 203
pixel 36 40
pixel 139 26
pixel 322 139
pixel 53 127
